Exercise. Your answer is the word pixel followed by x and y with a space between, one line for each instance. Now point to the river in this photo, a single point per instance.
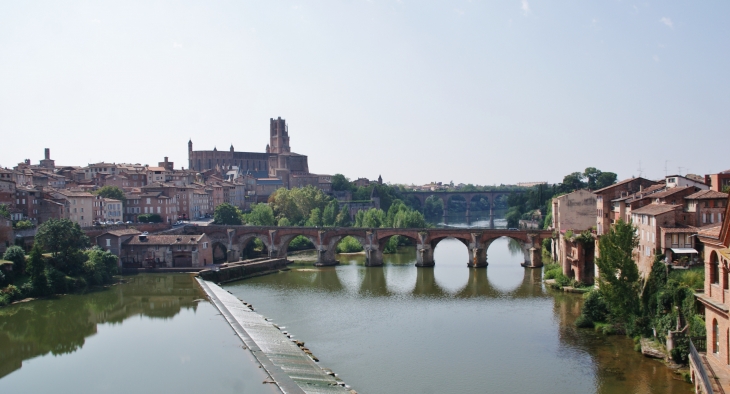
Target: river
pixel 153 334
pixel 391 329
pixel 450 329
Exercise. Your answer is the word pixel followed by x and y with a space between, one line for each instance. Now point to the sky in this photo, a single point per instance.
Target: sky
pixel 481 92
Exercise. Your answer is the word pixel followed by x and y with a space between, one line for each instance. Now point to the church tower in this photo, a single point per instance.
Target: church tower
pixel 279 136
pixel 190 154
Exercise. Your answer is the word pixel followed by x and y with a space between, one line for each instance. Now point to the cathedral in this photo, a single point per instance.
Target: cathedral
pixel 277 162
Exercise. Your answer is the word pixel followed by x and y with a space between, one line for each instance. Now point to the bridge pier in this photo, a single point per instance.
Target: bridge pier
pixel 477 257
pixel 325 258
pixel 424 256
pixel 445 218
pixel 373 256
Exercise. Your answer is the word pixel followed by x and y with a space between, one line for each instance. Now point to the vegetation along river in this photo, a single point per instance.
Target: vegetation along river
pixel 392 329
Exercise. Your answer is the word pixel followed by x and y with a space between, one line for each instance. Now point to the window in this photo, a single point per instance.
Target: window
pixel 205 245
pixel 108 242
pixel 715 337
pixel 715 267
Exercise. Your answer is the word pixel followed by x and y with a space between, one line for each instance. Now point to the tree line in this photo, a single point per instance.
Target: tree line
pixel 61 260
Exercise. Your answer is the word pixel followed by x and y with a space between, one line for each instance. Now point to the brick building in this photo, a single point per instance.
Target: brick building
pixel 719 181
pixel 605 197
pixel 705 207
pixel 574 213
pixel 716 300
pixel 166 251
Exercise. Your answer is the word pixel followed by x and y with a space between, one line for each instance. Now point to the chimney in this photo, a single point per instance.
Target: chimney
pixel 48 154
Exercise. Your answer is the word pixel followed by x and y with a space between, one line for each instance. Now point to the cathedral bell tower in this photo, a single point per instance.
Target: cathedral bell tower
pixel 279 136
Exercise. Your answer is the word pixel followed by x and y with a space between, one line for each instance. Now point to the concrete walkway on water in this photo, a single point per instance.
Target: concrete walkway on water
pixel 290 368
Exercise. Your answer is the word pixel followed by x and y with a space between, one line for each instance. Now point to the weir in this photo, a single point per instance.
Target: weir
pixel 289 367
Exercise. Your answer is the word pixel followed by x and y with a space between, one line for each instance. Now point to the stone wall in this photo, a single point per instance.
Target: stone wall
pixel 236 271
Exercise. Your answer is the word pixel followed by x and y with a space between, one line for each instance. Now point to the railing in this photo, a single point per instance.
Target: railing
pixel 700 371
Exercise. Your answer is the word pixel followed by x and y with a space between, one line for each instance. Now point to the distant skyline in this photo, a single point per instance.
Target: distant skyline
pixel 416 91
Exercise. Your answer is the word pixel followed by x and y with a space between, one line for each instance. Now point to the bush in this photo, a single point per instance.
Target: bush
pixel 583 322
pixel 149 218
pixel 100 266
pixel 349 245
pixel 23 225
pixel 57 281
pixel 594 307
pixel 300 242
pixel 16 254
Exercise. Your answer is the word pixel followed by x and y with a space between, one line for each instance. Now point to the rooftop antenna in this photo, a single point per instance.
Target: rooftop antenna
pixel 665 168
pixel 640 170
pixel 679 171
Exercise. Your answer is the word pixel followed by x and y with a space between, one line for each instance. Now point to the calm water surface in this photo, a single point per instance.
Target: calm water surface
pixel 155 334
pixel 450 329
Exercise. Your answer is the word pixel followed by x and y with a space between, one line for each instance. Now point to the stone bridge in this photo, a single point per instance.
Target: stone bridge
pixel 491 197
pixel 373 240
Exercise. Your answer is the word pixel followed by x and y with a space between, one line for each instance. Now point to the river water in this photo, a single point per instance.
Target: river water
pixel 154 334
pixel 391 329
pixel 450 329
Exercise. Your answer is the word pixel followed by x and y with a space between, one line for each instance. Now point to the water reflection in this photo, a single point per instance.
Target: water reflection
pixel 451 328
pixel 61 326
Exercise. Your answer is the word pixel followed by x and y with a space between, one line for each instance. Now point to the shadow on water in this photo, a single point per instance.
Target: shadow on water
pixel 61 325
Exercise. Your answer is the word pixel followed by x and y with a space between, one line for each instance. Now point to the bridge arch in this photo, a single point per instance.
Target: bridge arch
pixel 241 243
pixel 285 240
pixel 220 252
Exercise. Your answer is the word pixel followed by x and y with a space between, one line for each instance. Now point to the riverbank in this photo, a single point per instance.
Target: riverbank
pixel 291 368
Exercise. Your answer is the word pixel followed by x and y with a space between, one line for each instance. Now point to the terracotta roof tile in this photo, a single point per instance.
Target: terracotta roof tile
pixel 166 240
pixel 655 209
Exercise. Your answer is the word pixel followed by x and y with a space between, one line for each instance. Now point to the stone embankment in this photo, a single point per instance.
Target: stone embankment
pixel 291 366
pixel 229 272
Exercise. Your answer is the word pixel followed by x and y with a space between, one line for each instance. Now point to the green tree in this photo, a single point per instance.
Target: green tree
pixel 260 215
pixel 283 222
pixel 63 239
pixel 726 189
pixel 343 218
pixel 16 254
pixel 4 212
pixel 605 179
pixel 23 225
pixel 619 278
pixel 340 183
pixel 573 182
pixel 329 217
pixel 99 266
pixel 315 218
pixel 37 271
pixel 227 214
pixel 149 218
pixel 112 192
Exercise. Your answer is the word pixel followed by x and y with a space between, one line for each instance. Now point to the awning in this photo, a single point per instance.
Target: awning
pixel 684 250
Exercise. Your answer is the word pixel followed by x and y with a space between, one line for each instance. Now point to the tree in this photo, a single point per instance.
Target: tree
pixel 112 192
pixel 149 218
pixel 227 214
pixel 343 218
pixel 16 254
pixel 619 279
pixel 726 189
pixel 63 239
pixel 283 222
pixel 329 217
pixel 260 215
pixel 606 179
pixel 37 271
pixel 4 213
pixel 573 182
pixel 315 218
pixel 340 183
pixel 100 266
pixel 23 225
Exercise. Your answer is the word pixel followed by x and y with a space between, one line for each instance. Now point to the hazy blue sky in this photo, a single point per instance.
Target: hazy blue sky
pixel 471 91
